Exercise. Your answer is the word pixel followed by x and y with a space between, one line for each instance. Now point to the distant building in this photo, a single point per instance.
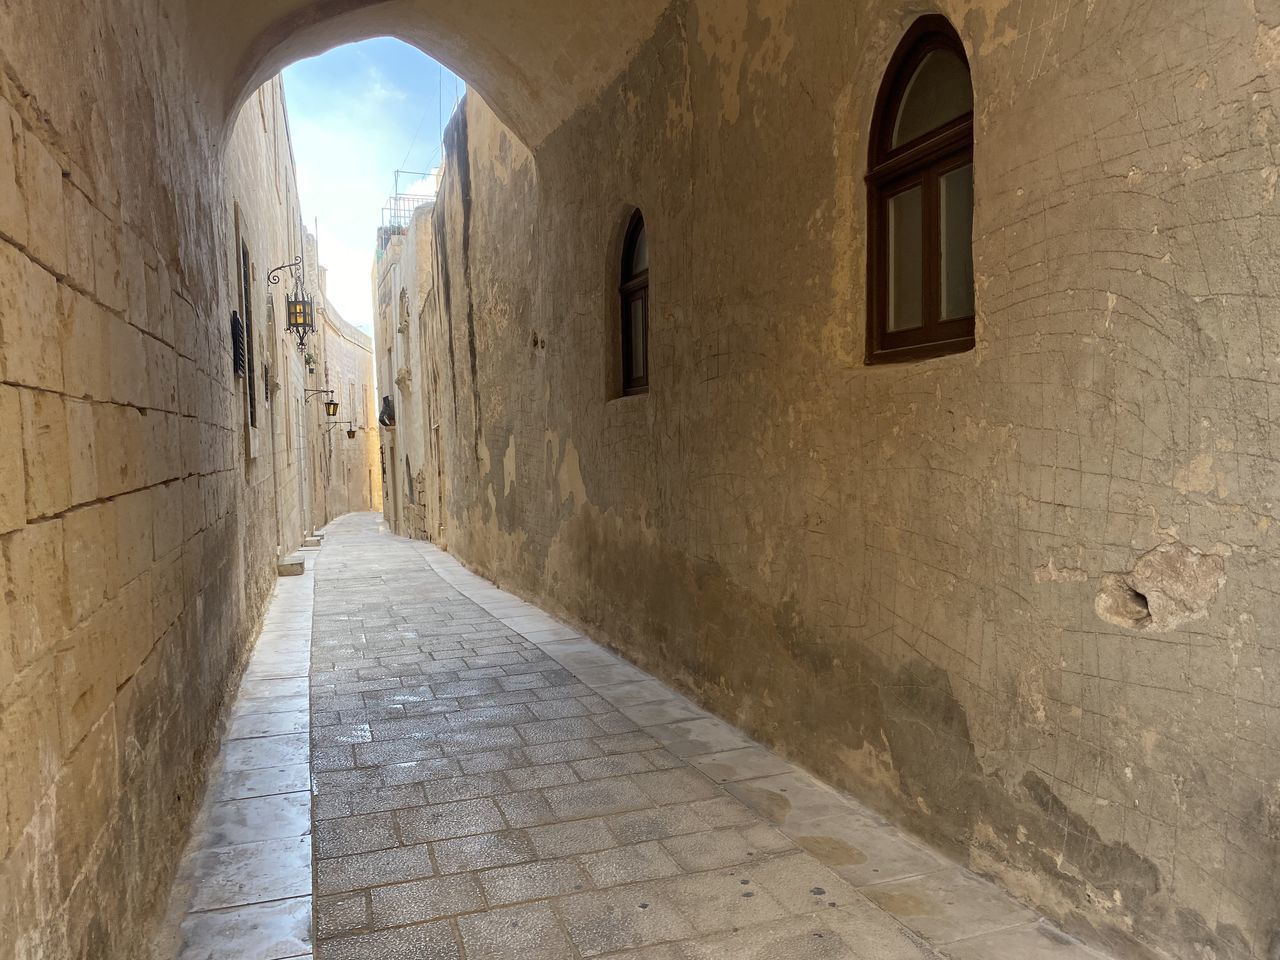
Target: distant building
pixel 406 311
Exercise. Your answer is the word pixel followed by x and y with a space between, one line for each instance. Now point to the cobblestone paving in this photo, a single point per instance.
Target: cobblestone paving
pixel 488 784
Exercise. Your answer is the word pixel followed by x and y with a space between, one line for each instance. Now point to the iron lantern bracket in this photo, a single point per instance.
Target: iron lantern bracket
pixel 294 267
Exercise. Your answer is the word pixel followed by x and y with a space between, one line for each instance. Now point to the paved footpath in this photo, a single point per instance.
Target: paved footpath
pixel 243 890
pixel 489 785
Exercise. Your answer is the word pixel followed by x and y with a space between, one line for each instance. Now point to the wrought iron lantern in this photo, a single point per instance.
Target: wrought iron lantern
pixel 300 309
pixel 300 318
pixel 330 405
pixel 351 428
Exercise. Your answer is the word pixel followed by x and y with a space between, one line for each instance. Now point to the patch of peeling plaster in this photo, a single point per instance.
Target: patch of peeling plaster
pixel 728 32
pixel 509 466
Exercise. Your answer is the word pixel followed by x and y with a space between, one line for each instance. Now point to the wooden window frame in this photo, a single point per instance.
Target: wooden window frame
pixel 633 288
pixel 921 161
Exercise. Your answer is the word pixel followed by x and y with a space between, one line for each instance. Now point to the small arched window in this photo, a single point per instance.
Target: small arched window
pixel 920 299
pixel 634 297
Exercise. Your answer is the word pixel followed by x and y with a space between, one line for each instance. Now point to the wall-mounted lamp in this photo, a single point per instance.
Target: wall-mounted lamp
pixel 300 310
pixel 330 406
pixel 351 428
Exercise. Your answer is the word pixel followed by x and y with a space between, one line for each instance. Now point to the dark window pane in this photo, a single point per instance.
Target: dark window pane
pixel 636 338
pixel 957 243
pixel 906 261
pixel 639 260
pixel 938 92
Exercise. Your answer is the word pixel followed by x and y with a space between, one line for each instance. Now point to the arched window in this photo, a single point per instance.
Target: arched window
pixel 634 295
pixel 920 298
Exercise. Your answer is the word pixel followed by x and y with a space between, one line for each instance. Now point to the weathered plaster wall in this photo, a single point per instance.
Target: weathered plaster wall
pixel 409 333
pixel 350 473
pixel 914 578
pixel 140 517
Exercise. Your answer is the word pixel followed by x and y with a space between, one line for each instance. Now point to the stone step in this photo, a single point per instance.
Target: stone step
pixel 291 566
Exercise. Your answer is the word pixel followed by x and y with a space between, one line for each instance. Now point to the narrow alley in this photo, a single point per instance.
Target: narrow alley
pixel 770 480
pixel 487 783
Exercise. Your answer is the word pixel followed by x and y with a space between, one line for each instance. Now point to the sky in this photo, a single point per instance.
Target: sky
pixel 357 114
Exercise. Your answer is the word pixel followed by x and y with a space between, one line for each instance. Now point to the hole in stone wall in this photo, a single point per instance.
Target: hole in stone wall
pixel 1137 602
pixel 1119 602
pixel 1168 586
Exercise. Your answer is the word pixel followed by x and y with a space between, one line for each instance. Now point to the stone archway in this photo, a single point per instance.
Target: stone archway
pixel 533 64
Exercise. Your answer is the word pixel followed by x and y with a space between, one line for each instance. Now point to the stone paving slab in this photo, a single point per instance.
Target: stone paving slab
pixel 244 886
pixel 487 783
pixel 490 784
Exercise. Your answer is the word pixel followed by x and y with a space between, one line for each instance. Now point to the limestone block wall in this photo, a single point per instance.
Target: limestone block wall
pixel 905 577
pixel 140 517
pixel 266 224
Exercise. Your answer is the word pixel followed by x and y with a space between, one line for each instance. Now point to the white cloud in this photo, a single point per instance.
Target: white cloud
pixel 424 186
pixel 380 90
